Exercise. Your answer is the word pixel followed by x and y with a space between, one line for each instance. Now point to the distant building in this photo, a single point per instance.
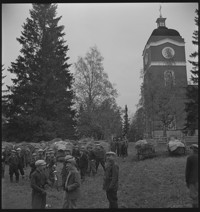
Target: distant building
pixel 164 65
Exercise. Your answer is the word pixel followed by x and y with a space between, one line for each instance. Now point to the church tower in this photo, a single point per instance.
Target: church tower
pixel 165 81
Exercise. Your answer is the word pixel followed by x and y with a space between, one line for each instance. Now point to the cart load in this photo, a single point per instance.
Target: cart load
pixel 176 147
pixel 145 148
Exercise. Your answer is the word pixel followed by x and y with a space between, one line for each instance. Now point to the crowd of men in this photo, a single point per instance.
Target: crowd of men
pixel 79 163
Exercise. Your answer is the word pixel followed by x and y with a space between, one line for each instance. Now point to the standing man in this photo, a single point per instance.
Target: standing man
pixel 32 164
pixel 191 175
pixel 100 156
pixel 41 154
pixel 3 161
pixel 110 184
pixel 83 163
pixel 91 161
pixel 72 185
pixel 38 182
pixel 21 164
pixel 13 166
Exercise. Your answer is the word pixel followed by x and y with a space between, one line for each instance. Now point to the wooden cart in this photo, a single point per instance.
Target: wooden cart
pixel 145 151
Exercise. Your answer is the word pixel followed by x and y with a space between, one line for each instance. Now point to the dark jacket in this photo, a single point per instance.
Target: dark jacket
pixel 111 177
pixel 83 161
pixel 13 162
pixel 72 186
pixel 21 159
pixel 91 155
pixel 191 171
pixel 38 181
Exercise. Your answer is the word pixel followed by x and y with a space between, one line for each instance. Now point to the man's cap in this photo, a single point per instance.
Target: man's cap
pixel 40 163
pixel 111 153
pixel 68 157
pixel 40 150
pixel 194 146
pixel 13 151
pixel 18 149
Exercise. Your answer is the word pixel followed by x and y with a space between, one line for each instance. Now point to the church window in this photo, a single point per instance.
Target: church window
pixel 169 78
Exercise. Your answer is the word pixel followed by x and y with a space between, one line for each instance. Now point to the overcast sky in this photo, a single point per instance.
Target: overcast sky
pixel 119 30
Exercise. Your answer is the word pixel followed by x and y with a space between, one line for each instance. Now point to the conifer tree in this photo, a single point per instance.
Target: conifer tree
pixel 125 122
pixel 192 90
pixel 40 103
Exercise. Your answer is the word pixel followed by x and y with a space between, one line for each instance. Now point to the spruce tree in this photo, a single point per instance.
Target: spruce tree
pixel 192 90
pixel 125 122
pixel 40 103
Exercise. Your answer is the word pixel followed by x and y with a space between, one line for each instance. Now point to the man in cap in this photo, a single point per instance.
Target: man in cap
pixel 72 185
pixel 21 159
pixel 110 183
pixel 32 164
pixel 100 156
pixel 83 163
pixel 41 154
pixel 13 162
pixel 191 175
pixel 3 161
pixel 64 170
pixel 76 154
pixel 38 182
pixel 91 161
pixel 52 165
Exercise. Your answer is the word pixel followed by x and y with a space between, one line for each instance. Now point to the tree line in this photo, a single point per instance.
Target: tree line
pixel 45 99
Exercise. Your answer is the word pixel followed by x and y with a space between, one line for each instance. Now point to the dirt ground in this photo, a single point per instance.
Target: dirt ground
pixel 157 182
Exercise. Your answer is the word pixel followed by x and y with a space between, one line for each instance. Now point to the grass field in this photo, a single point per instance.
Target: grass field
pixel 157 182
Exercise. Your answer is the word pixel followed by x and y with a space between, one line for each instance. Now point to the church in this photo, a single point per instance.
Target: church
pixel 165 82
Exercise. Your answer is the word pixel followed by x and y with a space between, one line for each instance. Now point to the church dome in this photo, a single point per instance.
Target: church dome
pixel 164 31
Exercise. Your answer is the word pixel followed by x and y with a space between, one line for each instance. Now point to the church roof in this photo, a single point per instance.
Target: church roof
pixel 164 31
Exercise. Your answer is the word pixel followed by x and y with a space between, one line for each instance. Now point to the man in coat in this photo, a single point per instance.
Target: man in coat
pixel 38 182
pixel 3 161
pixel 100 156
pixel 191 175
pixel 64 171
pixel 32 164
pixel 83 163
pixel 72 185
pixel 13 162
pixel 91 161
pixel 110 183
pixel 21 159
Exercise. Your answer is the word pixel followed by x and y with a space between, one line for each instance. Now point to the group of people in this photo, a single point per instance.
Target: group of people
pixel 72 173
pixel 119 145
pixel 77 163
pixel 16 164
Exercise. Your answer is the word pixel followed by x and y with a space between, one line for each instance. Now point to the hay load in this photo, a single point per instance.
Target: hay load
pixel 176 146
pixel 145 148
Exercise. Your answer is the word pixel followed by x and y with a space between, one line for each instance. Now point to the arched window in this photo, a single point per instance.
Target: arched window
pixel 169 78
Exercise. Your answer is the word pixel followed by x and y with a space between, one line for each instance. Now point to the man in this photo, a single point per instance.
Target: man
pixel 191 175
pixel 64 172
pixel 32 164
pixel 76 154
pixel 13 162
pixel 110 184
pixel 72 185
pixel 3 161
pixel 83 163
pixel 21 164
pixel 40 154
pixel 91 161
pixel 52 166
pixel 100 156
pixel 38 182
